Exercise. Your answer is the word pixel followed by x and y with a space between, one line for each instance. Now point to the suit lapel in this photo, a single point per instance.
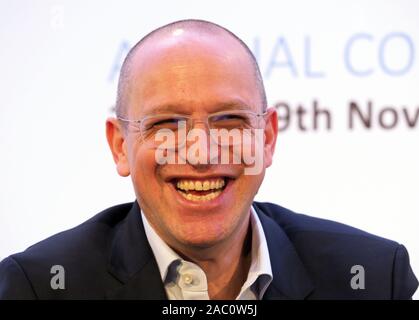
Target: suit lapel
pixel 290 278
pixel 132 262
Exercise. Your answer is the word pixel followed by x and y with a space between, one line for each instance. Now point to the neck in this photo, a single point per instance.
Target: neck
pixel 226 265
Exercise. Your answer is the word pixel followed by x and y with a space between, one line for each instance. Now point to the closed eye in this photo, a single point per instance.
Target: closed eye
pixel 228 117
pixel 167 121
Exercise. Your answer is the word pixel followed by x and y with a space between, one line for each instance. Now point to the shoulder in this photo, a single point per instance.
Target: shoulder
pixel 297 225
pixel 92 234
pixel 82 250
pixel 332 252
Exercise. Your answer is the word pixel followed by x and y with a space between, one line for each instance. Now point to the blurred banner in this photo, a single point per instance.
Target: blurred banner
pixel 343 76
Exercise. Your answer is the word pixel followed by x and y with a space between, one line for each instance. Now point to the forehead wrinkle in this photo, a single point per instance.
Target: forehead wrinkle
pixel 183 109
pixel 149 76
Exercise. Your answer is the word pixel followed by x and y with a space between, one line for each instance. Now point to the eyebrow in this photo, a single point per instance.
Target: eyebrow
pixel 179 109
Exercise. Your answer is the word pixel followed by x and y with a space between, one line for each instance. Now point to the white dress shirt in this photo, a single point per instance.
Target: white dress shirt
pixel 185 280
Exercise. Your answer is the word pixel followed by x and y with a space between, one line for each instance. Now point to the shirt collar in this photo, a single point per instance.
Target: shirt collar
pixel 260 264
pixel 164 255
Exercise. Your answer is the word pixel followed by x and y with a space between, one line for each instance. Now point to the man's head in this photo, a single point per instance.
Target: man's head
pixel 201 29
pixel 193 68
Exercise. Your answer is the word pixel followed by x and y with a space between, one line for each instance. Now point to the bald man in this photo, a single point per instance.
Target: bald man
pixel 193 131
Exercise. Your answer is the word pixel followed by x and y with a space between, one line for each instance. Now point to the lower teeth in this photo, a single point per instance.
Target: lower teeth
pixel 206 197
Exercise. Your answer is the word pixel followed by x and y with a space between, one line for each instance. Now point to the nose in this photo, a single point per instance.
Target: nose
pixel 200 151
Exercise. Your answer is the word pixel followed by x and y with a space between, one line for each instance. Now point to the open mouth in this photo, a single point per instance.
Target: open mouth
pixel 201 190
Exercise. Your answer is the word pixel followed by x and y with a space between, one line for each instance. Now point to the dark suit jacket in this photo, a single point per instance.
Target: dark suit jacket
pixel 108 257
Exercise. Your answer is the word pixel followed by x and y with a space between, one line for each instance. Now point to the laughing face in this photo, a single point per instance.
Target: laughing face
pixel 198 205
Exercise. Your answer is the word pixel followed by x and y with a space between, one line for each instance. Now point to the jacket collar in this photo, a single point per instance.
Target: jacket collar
pixel 132 262
pixel 290 278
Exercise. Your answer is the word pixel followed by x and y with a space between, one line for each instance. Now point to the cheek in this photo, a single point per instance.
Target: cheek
pixel 144 170
pixel 249 186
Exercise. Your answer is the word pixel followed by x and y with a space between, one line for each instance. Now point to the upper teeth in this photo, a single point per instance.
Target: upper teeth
pixel 200 185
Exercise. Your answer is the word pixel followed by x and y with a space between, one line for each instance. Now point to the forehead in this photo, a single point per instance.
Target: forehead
pixel 188 72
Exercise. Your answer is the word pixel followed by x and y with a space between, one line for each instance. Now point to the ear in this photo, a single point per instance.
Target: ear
pixel 117 143
pixel 271 133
